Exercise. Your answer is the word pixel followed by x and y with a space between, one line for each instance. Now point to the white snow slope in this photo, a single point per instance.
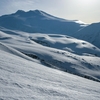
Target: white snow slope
pixel 23 78
pixel 91 33
pixel 57 51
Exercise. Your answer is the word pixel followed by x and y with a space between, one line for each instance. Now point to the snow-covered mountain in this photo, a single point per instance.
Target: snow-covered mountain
pixel 39 66
pixel 91 33
pixel 39 21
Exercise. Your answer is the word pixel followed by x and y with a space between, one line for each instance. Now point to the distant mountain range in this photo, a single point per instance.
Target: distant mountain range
pixel 40 22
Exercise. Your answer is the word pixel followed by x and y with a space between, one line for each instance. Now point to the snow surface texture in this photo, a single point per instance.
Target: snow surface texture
pixel 57 51
pixel 24 79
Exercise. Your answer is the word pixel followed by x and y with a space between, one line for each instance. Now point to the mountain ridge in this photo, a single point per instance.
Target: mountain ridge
pixel 38 21
pixel 90 33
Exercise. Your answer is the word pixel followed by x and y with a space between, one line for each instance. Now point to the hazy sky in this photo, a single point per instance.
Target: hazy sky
pixel 85 10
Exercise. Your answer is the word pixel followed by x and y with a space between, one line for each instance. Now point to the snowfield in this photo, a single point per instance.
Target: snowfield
pixel 57 51
pixel 22 79
pixel 38 61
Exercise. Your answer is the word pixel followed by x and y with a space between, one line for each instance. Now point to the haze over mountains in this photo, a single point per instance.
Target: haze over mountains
pixel 39 21
pixel 39 53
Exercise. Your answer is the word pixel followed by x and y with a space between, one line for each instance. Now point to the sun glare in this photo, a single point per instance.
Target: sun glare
pixel 86 2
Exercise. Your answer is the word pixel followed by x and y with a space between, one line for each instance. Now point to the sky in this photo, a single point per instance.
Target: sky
pixel 87 11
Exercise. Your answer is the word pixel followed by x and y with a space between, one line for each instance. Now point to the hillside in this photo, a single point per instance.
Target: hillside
pixel 57 51
pixel 24 79
pixel 91 33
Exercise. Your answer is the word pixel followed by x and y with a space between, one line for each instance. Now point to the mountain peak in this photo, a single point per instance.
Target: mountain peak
pixel 20 11
pixel 28 13
pixel 39 21
pixel 36 11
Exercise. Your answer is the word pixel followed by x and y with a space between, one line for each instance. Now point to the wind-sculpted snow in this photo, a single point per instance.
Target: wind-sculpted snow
pixel 21 79
pixel 14 52
pixel 58 51
pixel 66 43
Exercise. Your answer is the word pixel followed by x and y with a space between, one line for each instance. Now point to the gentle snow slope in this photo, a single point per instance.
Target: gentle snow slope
pixel 21 79
pixel 83 64
pixel 67 43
